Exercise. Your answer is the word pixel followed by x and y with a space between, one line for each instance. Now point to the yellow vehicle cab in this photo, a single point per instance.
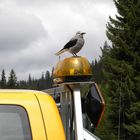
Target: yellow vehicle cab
pixel 29 115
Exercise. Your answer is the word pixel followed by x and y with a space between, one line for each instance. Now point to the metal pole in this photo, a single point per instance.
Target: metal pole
pixel 78 113
pixel 66 110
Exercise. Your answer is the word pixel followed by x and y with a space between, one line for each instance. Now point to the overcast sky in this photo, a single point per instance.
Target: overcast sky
pixel 32 31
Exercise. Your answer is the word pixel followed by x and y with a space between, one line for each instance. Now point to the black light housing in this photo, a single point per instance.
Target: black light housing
pixel 94 105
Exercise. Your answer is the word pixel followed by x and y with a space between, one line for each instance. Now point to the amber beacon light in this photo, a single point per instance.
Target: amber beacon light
pixel 72 69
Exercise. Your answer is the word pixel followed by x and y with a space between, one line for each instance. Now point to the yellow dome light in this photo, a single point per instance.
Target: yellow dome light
pixel 73 69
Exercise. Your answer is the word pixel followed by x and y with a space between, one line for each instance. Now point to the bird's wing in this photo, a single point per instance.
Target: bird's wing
pixel 70 44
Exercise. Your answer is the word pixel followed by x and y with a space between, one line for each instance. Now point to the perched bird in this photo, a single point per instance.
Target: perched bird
pixel 74 45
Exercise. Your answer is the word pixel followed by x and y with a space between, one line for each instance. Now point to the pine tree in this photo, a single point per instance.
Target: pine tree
pixel 121 70
pixel 12 80
pixel 97 66
pixel 96 70
pixel 42 82
pixel 48 78
pixel 29 82
pixel 3 80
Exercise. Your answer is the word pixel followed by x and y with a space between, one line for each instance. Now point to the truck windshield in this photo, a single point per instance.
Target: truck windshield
pixel 14 124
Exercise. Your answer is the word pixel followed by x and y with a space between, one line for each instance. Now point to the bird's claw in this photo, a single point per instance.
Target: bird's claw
pixel 75 55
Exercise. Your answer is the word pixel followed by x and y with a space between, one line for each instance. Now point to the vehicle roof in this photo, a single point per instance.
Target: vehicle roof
pixel 20 91
pixel 19 96
pixel 38 105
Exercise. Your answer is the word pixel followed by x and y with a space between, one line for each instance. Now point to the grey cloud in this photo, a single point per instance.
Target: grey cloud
pixel 18 30
pixel 34 59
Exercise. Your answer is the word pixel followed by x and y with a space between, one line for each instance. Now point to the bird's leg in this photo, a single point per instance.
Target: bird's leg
pixel 75 55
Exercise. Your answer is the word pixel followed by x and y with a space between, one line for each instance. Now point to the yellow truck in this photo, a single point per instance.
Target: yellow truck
pixel 29 115
pixel 34 115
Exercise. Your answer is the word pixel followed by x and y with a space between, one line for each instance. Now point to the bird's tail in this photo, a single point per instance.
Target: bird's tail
pixel 61 51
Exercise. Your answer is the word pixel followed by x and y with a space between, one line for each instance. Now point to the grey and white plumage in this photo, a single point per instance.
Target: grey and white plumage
pixel 74 45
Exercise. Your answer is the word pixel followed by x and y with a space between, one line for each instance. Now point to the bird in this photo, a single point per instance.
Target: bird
pixel 74 45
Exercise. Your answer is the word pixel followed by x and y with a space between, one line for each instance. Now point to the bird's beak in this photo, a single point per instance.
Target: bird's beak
pixel 83 33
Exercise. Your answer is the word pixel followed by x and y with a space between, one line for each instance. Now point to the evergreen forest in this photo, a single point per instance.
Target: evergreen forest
pixel 11 82
pixel 118 74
